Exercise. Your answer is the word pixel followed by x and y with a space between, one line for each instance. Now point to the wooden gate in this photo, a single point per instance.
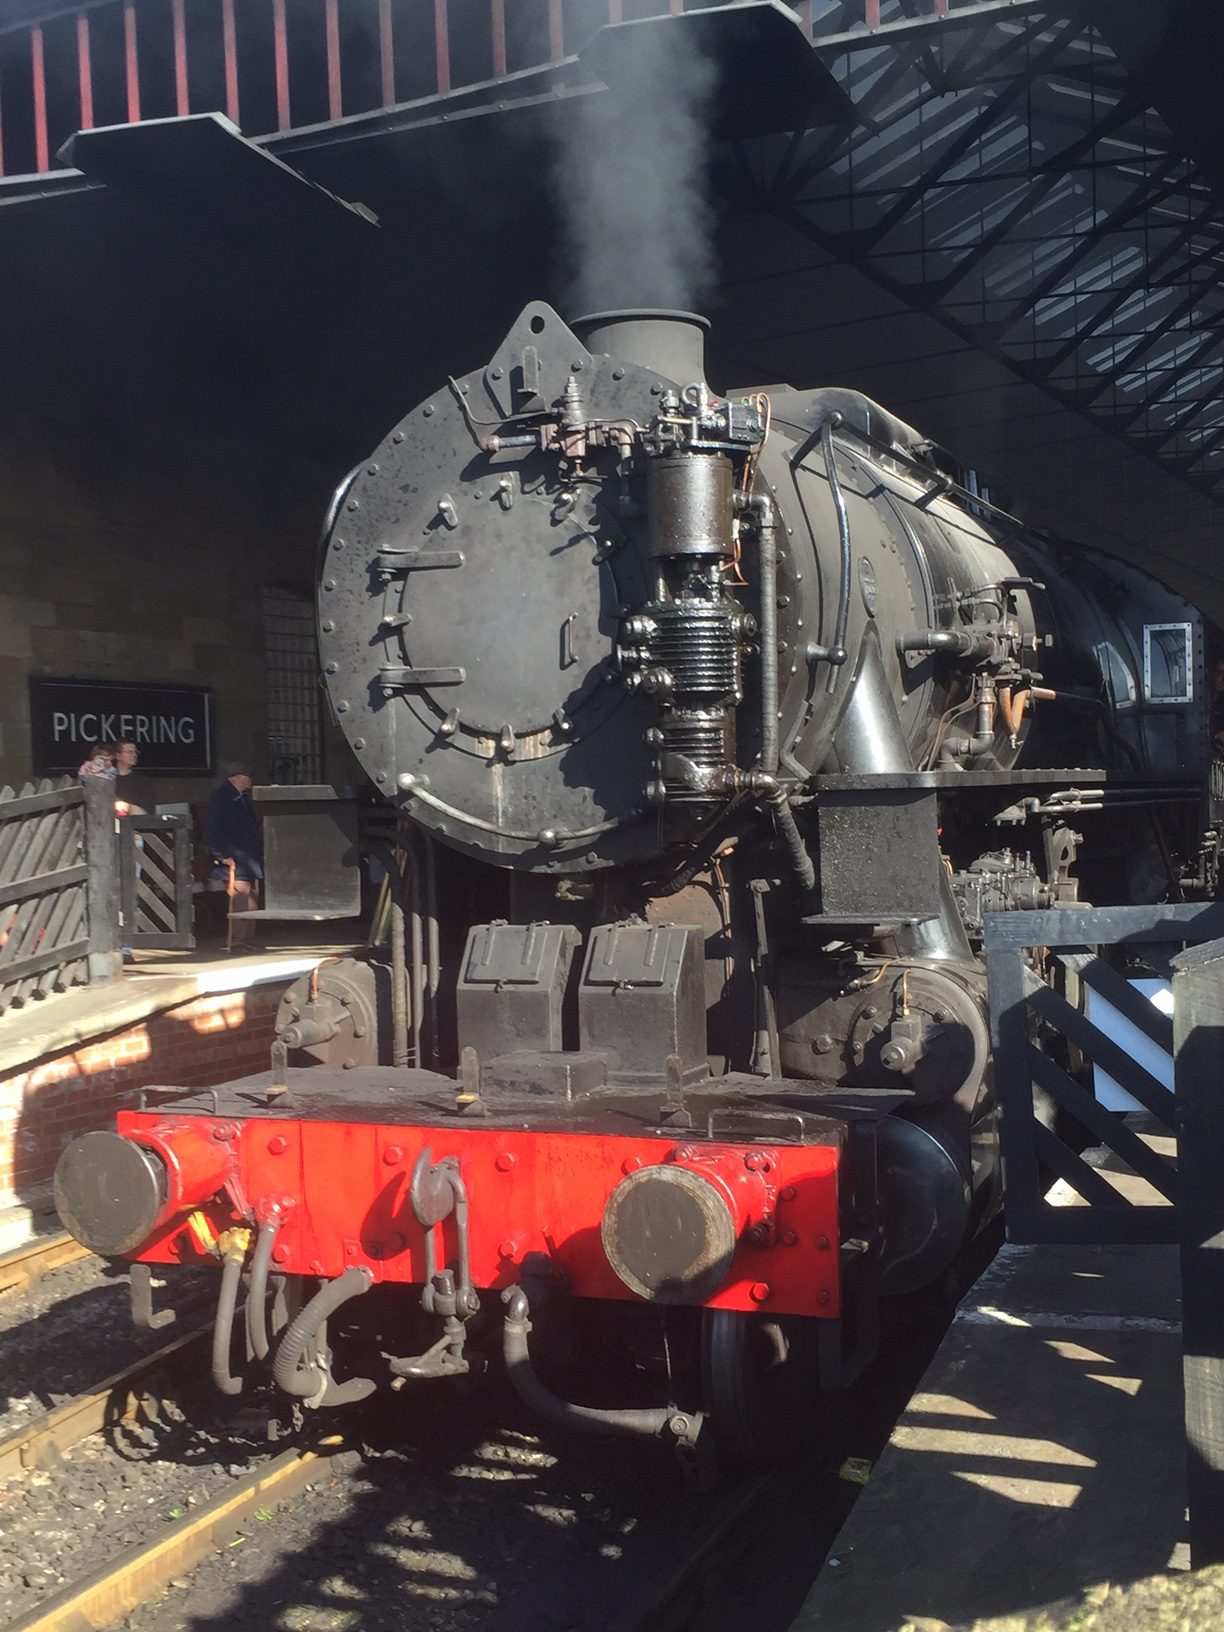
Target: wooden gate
pixel 44 930
pixel 1048 1046
pixel 155 881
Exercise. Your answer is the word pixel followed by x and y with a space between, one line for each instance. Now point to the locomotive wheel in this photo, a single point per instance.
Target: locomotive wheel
pixel 761 1383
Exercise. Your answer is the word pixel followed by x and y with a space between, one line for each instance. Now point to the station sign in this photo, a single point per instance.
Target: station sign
pixel 171 725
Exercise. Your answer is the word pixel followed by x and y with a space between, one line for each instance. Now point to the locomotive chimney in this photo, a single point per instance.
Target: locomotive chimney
pixel 670 343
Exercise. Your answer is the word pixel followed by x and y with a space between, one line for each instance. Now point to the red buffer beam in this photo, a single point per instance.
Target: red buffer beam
pixel 567 1201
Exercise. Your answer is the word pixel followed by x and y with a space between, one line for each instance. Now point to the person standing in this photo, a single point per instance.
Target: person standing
pixel 99 761
pixel 232 838
pixel 134 792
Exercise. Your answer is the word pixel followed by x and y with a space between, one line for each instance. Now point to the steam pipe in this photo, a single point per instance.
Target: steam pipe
pixel 399 987
pixel 847 561
pixel 779 798
pixel 649 1422
pixel 257 1287
pixel 433 973
pixel 800 860
pixel 223 1325
pixel 768 552
pixel 385 853
pixel 311 1382
pixel 415 954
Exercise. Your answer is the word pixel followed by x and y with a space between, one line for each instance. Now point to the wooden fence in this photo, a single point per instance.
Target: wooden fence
pixel 59 923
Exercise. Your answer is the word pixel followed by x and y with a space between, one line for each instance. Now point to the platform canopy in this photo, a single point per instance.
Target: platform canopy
pixel 1002 218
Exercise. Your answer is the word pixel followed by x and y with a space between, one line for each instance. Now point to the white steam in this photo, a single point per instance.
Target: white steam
pixel 633 185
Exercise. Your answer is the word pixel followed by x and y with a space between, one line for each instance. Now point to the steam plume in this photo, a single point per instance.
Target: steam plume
pixel 634 186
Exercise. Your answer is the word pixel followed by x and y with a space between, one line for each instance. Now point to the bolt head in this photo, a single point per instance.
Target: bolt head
pixel 754 1161
pixel 507 1248
pixel 684 1153
pixel 506 1159
pixel 759 1291
pixel 789 1193
pixel 631 1164
pixel 280 1253
pixel 393 1155
pixel 278 1146
pixel 822 1242
pixel 790 1239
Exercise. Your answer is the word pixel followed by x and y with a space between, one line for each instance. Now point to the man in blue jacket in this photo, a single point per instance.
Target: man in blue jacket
pixel 232 839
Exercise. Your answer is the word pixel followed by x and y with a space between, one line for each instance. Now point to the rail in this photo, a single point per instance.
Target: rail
pixel 280 65
pixel 120 1399
pixel 24 1266
pixel 147 1568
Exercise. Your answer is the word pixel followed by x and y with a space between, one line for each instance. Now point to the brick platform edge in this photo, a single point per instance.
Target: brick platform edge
pixel 46 1103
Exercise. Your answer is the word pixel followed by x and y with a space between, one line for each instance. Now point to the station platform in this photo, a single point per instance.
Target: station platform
pixel 71 1060
pixel 1039 1471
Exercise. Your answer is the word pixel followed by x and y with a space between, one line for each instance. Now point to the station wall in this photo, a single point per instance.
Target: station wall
pixel 124 560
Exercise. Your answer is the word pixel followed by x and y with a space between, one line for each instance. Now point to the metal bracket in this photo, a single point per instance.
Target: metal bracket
pixel 395 677
pixel 140 1282
pixel 391 559
pixel 435 1192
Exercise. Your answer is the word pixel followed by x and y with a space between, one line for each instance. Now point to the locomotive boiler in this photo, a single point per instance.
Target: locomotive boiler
pixel 715 725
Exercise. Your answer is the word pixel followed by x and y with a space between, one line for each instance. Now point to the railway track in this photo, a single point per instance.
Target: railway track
pixel 700 1577
pixel 118 1399
pixel 129 1398
pixel 142 1571
pixel 26 1265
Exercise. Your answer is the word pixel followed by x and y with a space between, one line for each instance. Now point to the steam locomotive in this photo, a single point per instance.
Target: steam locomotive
pixel 715 725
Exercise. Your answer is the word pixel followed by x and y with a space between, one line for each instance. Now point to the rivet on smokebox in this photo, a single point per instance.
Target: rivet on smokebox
pixel 631 1164
pixel 278 1146
pixel 759 1291
pixel 506 1159
pixel 393 1155
pixel 754 1161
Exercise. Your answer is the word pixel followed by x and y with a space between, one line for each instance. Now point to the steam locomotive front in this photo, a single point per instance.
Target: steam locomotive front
pixel 590 624
pixel 575 601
